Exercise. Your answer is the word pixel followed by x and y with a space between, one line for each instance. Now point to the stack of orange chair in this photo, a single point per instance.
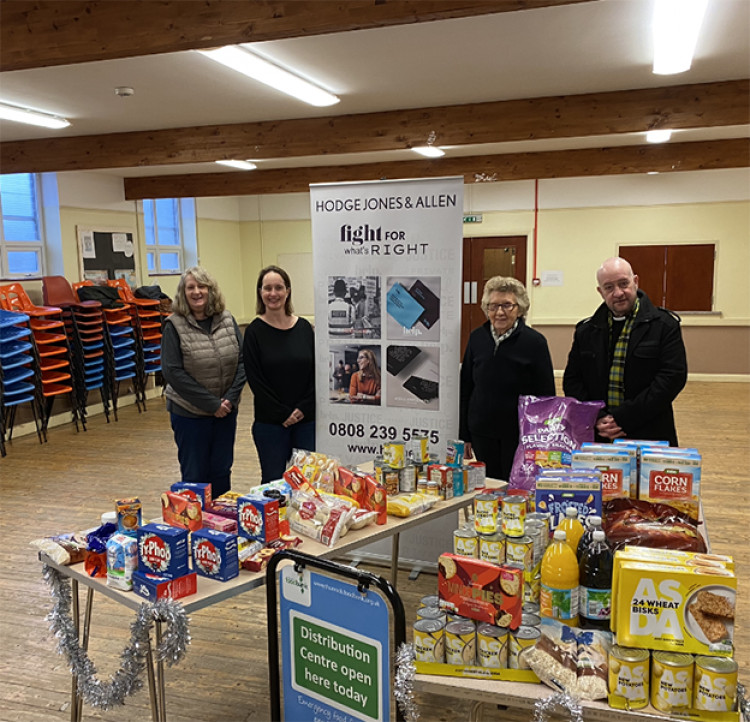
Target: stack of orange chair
pixel 51 348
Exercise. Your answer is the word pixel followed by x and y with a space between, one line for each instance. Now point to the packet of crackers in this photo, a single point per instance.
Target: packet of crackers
pixel 480 590
pixel 350 483
pixel 376 498
pixel 182 511
pixel 296 479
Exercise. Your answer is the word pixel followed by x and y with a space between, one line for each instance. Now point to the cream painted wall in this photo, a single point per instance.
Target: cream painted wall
pixel 577 241
pixel 219 250
pixel 252 261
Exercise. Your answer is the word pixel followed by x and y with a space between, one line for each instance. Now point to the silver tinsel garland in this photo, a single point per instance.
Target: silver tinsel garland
pixel 556 703
pixel 403 683
pixel 127 679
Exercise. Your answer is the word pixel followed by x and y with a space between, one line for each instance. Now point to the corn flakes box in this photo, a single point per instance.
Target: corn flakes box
pixel 674 608
pixel 671 477
pixel 613 466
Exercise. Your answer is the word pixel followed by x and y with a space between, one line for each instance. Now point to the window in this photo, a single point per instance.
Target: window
pixel 170 233
pixel 679 277
pixel 21 231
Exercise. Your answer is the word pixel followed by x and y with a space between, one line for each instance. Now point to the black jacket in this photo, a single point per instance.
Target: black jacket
pixel 655 370
pixel 492 380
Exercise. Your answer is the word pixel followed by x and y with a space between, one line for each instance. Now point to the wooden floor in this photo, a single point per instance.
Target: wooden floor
pixel 67 483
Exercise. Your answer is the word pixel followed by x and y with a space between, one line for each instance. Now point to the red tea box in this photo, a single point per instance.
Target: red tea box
pixel 258 519
pixel 215 554
pixel 201 490
pixel 163 550
pixel 153 587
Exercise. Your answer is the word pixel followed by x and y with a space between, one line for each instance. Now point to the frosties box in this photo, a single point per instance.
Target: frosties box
pixel 215 554
pixel 153 587
pixel 163 550
pixel 201 490
pixel 671 477
pixel 554 494
pixel 674 608
pixel 480 590
pixel 258 518
pixel 613 466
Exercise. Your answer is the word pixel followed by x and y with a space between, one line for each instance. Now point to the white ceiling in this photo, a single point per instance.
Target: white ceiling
pixel 583 48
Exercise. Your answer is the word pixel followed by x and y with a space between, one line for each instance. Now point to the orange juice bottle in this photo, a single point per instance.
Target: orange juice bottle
pixel 558 597
pixel 572 527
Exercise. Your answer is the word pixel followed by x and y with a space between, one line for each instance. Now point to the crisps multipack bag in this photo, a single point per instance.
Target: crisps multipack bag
pixel 675 608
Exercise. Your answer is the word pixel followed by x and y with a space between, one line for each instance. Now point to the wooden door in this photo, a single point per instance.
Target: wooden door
pixel 483 259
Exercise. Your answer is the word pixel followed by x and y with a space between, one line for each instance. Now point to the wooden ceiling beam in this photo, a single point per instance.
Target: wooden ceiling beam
pixel 664 158
pixel 629 111
pixel 35 34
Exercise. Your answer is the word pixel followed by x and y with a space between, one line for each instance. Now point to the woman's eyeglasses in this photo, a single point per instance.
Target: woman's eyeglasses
pixel 506 307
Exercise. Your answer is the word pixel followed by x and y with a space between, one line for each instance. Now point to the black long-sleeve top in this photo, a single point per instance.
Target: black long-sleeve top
pixel 280 368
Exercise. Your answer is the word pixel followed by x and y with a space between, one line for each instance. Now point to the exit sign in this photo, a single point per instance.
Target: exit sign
pixel 476 218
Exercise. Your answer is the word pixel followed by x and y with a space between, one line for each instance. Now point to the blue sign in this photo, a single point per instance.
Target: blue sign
pixel 335 650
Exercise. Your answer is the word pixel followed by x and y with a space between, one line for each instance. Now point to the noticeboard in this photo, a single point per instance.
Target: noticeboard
pixel 106 255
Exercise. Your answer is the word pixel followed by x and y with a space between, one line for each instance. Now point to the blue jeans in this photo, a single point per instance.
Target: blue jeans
pixel 205 449
pixel 275 443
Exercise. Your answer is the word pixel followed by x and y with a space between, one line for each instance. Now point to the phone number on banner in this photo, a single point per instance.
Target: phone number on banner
pixel 376 431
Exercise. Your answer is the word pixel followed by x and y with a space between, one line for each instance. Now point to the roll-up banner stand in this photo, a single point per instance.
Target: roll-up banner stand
pixel 387 267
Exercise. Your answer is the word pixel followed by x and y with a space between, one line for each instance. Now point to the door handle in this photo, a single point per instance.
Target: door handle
pixel 473 291
pixel 467 292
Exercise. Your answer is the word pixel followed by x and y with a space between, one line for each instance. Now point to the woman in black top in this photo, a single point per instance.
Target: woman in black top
pixel 279 356
pixel 504 359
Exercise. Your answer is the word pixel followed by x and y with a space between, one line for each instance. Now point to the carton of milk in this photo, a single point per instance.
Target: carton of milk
pixel 671 476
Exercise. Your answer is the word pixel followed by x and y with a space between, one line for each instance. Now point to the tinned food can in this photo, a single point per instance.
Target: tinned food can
pixel 429 600
pixel 671 681
pixel 391 480
pixel 492 646
pixel 530 620
pixel 431 613
pixel 513 515
pixel 521 550
pixel 466 542
pixel 407 479
pixel 523 638
pixel 429 640
pixel 486 509
pixel 394 454
pixel 628 677
pixel 492 547
pixel 461 643
pixel 419 450
pixel 455 452
pixel 715 688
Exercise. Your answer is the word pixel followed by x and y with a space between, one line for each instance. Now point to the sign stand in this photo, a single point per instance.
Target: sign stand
pixel 335 640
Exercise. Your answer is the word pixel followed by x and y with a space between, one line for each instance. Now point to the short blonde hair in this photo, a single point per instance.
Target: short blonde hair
pixel 215 304
pixel 506 284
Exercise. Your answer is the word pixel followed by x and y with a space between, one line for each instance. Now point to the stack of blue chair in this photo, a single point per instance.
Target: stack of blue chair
pixel 18 373
pixel 120 342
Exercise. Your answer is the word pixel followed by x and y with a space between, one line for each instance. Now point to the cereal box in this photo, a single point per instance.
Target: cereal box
pixel 480 590
pixel 163 550
pixel 674 608
pixel 129 515
pixel 671 477
pixel 258 518
pixel 215 554
pixel 153 587
pixel 554 494
pixel 202 490
pixel 613 466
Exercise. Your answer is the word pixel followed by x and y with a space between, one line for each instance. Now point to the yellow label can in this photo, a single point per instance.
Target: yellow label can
pixel 628 677
pixel 492 646
pixel 461 643
pixel 715 684
pixel 429 640
pixel 671 681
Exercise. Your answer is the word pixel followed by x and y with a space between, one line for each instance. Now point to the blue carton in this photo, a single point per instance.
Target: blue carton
pixel 163 550
pixel 554 494
pixel 215 554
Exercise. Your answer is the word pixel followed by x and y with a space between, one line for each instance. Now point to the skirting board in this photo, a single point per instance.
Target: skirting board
pixel 91 410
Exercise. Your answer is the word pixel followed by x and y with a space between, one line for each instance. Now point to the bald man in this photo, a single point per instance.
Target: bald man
pixel 631 356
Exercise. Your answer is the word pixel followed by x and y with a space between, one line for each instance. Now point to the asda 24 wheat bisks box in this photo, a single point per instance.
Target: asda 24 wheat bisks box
pixel 163 550
pixel 215 554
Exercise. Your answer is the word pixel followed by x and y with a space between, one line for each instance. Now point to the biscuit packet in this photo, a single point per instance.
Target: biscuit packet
pixel 376 498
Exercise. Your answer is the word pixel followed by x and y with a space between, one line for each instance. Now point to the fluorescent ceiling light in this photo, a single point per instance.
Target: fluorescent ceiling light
pixel 429 151
pixel 675 25
pixel 32 117
pixel 241 164
pixel 658 136
pixel 247 63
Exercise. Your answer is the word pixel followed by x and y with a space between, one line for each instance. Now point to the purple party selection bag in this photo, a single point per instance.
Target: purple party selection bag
pixel 549 429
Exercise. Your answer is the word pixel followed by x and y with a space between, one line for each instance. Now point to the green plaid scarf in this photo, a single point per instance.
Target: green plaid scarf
pixel 616 390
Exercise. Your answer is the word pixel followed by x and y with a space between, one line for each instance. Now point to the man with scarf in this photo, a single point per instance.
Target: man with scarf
pixel 629 354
